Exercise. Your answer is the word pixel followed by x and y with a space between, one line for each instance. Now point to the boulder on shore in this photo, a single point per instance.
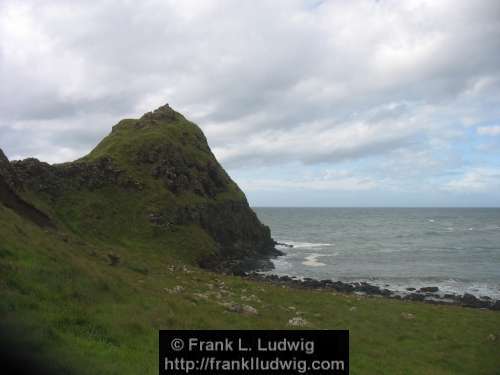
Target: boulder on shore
pixel 429 289
pixel 469 300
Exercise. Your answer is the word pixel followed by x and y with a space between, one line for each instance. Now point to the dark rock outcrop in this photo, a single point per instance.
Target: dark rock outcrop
pixel 429 289
pixel 55 180
pixel 180 174
pixel 10 199
pixel 7 173
pixel 235 227
pixel 469 300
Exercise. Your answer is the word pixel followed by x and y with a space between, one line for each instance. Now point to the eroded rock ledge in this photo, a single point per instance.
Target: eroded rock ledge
pixel 10 199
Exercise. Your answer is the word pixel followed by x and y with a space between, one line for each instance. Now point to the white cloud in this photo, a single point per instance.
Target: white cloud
pixel 241 70
pixel 489 130
pixel 270 82
pixel 478 180
pixel 330 181
pixel 321 141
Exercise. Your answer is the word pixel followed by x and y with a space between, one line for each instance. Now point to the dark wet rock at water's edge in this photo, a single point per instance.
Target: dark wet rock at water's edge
pixel 284 244
pixel 429 289
pixel 415 297
pixel 469 300
pixel 425 294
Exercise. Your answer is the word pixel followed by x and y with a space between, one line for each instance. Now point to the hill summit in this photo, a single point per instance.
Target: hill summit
pixel 152 183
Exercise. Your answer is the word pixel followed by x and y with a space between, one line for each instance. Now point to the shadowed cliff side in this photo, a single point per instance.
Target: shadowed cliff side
pixel 8 182
pixel 153 181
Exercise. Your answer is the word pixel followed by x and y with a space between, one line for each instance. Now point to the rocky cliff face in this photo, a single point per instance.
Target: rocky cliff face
pixel 7 173
pixel 10 199
pixel 155 176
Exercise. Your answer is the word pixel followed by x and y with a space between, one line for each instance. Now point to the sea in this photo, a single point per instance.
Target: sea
pixel 455 249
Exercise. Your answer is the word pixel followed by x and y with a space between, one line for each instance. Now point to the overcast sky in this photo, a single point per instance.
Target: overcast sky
pixel 305 103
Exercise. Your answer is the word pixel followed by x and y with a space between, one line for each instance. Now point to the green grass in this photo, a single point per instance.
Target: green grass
pixel 105 319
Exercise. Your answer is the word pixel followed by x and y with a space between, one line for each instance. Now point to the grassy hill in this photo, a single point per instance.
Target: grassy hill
pixel 128 227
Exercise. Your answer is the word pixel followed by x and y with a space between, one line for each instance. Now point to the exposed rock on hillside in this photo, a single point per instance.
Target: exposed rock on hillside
pixel 7 173
pixel 56 179
pixel 10 199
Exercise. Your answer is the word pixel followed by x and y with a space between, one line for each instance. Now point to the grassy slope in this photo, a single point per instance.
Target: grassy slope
pixel 105 318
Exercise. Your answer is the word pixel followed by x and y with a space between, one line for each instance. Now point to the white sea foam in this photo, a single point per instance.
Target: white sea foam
pixel 281 264
pixel 312 260
pixel 305 245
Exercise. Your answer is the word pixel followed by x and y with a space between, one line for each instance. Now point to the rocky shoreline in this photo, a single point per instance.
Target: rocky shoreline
pixel 426 294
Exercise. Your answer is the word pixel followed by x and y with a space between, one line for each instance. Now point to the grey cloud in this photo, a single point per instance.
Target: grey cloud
pixel 244 71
